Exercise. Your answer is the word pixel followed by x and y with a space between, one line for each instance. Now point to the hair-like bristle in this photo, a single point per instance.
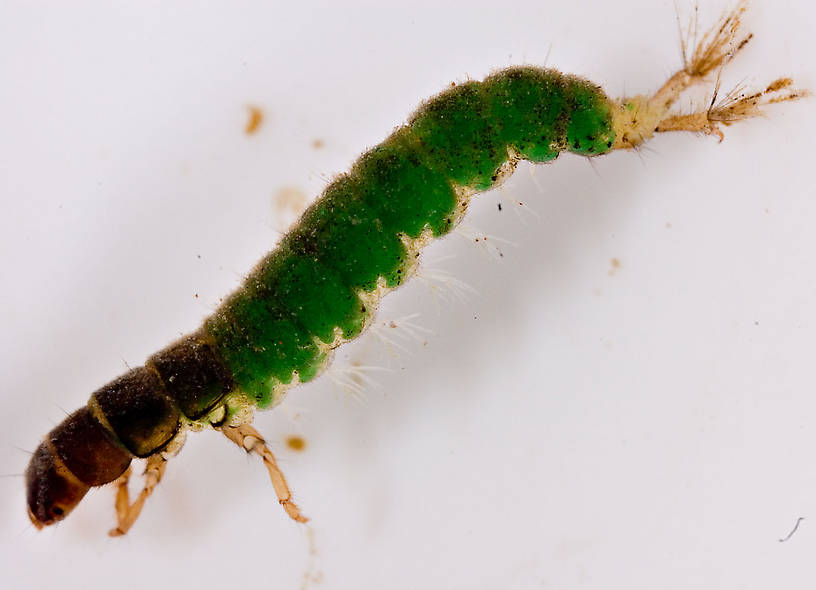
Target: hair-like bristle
pixel 717 45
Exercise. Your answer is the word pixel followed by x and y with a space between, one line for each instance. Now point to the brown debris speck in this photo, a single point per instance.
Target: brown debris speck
pixel 296 443
pixel 255 120
pixel 290 201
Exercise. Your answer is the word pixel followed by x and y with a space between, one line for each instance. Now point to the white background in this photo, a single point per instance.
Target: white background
pixel 563 427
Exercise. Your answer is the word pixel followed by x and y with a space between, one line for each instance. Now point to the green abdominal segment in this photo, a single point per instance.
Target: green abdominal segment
pixel 362 234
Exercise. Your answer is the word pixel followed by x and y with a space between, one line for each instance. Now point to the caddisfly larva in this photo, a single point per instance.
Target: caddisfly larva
pixel 361 239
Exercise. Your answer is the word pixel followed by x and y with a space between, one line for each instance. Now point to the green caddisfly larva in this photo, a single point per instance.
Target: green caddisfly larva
pixel 362 238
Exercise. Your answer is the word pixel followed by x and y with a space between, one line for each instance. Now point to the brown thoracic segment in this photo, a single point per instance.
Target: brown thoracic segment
pixel 138 410
pixel 88 450
pixel 143 408
pixel 193 375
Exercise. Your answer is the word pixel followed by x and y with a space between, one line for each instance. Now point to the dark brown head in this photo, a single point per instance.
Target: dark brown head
pixel 75 456
pixel 51 490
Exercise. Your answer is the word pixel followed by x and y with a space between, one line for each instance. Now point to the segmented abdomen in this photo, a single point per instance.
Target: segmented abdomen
pixel 320 285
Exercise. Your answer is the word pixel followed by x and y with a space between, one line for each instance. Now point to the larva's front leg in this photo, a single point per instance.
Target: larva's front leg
pixel 127 513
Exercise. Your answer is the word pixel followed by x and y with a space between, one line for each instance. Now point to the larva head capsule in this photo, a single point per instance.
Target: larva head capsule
pixel 77 455
pixel 51 490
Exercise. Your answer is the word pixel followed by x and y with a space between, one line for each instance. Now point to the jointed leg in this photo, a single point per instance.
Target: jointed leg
pixel 249 439
pixel 127 513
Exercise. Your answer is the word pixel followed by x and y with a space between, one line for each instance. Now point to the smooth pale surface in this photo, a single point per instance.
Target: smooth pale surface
pixel 577 422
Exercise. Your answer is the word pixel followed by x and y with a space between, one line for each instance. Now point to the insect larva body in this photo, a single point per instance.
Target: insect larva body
pixel 321 285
